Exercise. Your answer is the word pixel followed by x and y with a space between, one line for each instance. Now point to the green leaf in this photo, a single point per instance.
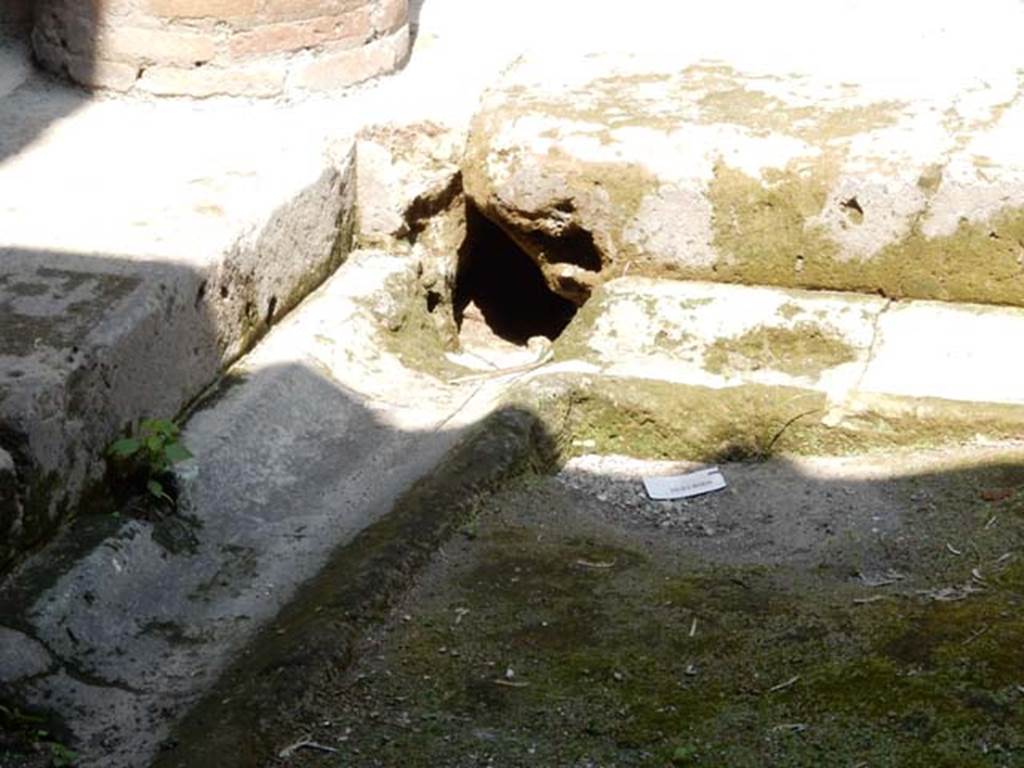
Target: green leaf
pixel 157 489
pixel 176 452
pixel 62 757
pixel 125 447
pixel 154 444
pixel 684 755
pixel 160 427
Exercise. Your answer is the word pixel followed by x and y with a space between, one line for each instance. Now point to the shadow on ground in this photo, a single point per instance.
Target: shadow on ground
pixel 801 619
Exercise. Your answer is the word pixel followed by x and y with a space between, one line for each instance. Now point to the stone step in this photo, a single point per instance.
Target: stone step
pixel 896 181
pixel 844 345
pixel 312 439
pixel 126 288
pixel 855 371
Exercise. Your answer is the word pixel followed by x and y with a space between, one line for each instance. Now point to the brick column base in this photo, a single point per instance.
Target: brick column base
pixel 201 48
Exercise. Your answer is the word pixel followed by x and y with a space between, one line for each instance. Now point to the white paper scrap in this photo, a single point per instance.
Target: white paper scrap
pixel 684 486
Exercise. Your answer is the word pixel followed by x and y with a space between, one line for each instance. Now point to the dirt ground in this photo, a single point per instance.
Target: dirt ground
pixel 818 612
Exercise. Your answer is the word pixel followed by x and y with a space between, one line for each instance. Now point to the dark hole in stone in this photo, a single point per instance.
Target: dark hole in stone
pixel 224 291
pixel 201 293
pixel 853 209
pixel 506 286
pixel 271 306
pixel 433 299
pixel 574 246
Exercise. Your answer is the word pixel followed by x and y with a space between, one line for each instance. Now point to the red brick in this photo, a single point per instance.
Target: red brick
pixel 84 70
pixel 337 69
pixel 390 15
pixel 202 82
pixel 206 9
pixel 297 35
pixel 221 47
pixel 173 46
pixel 296 10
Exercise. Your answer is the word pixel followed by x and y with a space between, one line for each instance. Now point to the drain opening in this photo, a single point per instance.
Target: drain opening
pixel 505 286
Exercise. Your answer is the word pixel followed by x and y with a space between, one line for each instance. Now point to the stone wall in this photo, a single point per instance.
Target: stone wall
pixel 202 48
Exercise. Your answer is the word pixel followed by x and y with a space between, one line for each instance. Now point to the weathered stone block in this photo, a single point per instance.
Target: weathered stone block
pixel 23 656
pixel 708 172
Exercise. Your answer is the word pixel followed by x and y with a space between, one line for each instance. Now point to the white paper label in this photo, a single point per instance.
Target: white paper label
pixel 684 486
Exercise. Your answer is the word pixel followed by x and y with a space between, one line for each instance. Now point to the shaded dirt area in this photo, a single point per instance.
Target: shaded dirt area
pixel 819 612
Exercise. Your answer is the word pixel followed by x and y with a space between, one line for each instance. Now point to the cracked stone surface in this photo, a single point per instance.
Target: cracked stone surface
pixel 23 656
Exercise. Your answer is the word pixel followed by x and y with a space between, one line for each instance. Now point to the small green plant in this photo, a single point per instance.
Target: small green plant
pixel 61 756
pixel 685 755
pixel 150 453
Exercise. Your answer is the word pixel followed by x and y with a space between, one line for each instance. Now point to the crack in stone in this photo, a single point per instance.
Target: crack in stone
pixel 873 346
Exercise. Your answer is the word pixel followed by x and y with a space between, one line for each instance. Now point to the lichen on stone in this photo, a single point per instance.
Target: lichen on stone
pixel 764 233
pixel 805 349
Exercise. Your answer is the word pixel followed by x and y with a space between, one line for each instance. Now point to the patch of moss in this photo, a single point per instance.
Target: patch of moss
pixel 706 94
pixel 739 104
pixel 764 235
pixel 414 337
pixel 980 262
pixel 525 654
pixel 806 349
pixel 789 310
pixel 761 228
pixel 652 419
